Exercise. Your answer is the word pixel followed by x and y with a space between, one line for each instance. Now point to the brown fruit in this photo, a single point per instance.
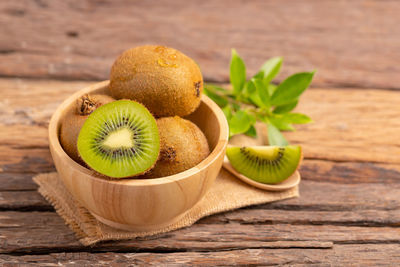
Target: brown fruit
pixel 165 80
pixel 182 146
pixel 75 118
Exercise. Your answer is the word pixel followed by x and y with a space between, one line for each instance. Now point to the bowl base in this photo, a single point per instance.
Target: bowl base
pixel 138 228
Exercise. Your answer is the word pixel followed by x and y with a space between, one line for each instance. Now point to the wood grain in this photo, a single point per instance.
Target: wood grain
pixel 345 124
pixel 35 232
pixel 348 197
pixel 350 43
pixel 316 217
pixel 341 255
pixel 349 210
pixel 336 161
pixel 17 175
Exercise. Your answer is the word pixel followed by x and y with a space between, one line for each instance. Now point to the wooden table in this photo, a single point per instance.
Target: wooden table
pixel 349 209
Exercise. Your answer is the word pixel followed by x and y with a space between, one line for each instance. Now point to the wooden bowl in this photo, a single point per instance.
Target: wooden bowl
pixel 142 204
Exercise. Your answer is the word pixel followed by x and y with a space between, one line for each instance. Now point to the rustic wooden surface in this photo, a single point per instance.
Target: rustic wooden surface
pixel 351 43
pixel 349 209
pixel 349 202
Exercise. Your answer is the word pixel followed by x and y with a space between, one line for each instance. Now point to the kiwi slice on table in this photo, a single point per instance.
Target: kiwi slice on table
pixel 120 139
pixel 265 164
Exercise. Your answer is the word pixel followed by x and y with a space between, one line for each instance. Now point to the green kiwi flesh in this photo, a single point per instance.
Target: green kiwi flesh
pixel 119 139
pixel 265 164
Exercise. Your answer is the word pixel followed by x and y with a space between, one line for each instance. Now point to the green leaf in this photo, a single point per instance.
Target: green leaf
pixel 259 75
pixel 249 88
pixel 239 123
pixel 277 121
pixel 296 118
pixel 227 111
pixel 281 124
pixel 257 92
pixel 291 88
pixel 215 87
pixel 262 92
pixel 270 69
pixel 235 107
pixel 286 107
pixel 251 117
pixel 237 73
pixel 252 93
pixel 251 132
pixel 220 100
pixel 275 137
pixel 272 88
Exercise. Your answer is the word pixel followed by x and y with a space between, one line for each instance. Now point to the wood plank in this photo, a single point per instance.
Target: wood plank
pixel 349 172
pixel 263 215
pixel 340 255
pixel 340 39
pixel 355 126
pixel 32 102
pixel 17 182
pixel 337 136
pixel 25 160
pixel 23 200
pixel 341 197
pixel 17 174
pixel 38 232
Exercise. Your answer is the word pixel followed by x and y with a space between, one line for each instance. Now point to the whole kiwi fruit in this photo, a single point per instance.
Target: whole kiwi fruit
pixel 164 79
pixel 75 118
pixel 182 146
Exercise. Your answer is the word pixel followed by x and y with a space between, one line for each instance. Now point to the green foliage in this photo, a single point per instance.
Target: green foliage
pixel 257 99
pixel 275 137
pixel 237 73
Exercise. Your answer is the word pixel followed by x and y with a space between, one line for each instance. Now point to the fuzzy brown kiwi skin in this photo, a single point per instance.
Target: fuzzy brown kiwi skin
pixel 182 146
pixel 74 120
pixel 165 80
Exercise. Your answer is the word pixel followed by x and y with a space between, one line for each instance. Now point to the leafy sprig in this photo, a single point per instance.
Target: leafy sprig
pixel 257 99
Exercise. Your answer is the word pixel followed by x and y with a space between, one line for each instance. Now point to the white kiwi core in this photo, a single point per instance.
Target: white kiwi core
pixel 261 152
pixel 119 138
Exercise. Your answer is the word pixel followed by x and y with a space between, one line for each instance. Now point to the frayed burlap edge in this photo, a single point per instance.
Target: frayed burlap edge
pixel 227 193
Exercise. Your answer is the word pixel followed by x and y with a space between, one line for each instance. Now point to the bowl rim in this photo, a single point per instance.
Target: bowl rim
pixel 55 144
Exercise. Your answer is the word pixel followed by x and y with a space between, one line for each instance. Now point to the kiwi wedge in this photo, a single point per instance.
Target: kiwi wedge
pixel 265 164
pixel 119 139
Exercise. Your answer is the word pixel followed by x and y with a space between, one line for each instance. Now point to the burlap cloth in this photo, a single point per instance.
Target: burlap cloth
pixel 227 193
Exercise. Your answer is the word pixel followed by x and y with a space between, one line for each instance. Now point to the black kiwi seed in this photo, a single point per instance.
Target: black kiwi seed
pixel 273 162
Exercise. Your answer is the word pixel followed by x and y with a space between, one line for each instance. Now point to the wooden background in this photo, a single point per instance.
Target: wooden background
pixel 349 209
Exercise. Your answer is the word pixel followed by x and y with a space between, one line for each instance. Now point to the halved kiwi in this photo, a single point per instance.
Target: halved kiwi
pixel 265 164
pixel 120 139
